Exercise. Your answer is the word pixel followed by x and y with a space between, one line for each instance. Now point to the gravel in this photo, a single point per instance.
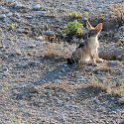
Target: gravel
pixel 36 84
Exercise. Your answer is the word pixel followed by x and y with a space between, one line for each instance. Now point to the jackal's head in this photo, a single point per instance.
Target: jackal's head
pixel 94 31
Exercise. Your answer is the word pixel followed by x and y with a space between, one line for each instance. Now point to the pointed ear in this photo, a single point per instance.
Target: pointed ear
pixel 89 26
pixel 99 27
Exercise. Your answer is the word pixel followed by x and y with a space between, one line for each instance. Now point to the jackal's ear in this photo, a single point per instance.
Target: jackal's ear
pixel 99 27
pixel 89 26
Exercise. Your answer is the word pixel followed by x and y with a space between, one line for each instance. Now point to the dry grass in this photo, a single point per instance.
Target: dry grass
pixel 53 50
pixel 107 88
pixel 64 86
pixel 75 15
pixel 118 10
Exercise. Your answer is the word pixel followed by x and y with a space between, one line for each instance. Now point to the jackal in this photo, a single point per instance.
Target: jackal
pixel 87 52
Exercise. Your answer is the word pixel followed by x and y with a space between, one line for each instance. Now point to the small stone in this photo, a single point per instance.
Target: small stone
pixel 9 15
pixel 113 63
pixel 41 38
pixel 37 7
pixel 18 52
pixel 39 13
pixel 2 16
pixel 57 81
pixel 21 30
pixel 31 45
pixel 49 33
pixel 19 6
pixel 10 1
pixel 121 100
pixel 33 89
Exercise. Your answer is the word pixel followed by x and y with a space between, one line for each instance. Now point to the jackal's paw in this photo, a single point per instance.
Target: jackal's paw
pixel 100 60
pixel 95 64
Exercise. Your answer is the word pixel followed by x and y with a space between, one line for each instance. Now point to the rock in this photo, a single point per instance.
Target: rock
pixel 35 63
pixel 9 14
pixel 39 13
pixel 121 100
pixel 57 81
pixel 41 38
pixel 37 7
pixel 49 33
pixel 18 52
pixel 20 6
pixel 20 30
pixel 114 63
pixel 33 89
pixel 31 45
pixel 10 1
pixel 3 10
pixel 2 16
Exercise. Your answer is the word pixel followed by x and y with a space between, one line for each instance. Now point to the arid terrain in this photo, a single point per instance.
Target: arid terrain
pixel 37 86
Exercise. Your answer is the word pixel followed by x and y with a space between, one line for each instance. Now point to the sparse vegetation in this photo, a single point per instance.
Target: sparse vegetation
pixel 118 10
pixel 75 15
pixel 54 50
pixel 12 26
pixel 78 15
pixel 74 28
pixel 107 88
pixel 6 88
pixel 17 119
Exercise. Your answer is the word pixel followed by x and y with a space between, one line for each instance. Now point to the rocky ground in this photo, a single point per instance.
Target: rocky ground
pixel 36 84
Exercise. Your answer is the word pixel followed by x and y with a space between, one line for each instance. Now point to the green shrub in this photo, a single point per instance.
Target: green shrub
pixel 74 28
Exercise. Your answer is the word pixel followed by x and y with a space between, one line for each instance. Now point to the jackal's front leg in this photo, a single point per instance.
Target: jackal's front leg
pixel 93 59
pixel 98 59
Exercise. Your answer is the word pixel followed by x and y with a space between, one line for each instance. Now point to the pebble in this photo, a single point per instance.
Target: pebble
pixel 57 81
pixel 20 6
pixel 37 7
pixel 10 1
pixel 40 13
pixel 114 63
pixel 18 52
pixel 121 100
pixel 2 16
pixel 33 89
pixel 49 33
pixel 20 30
pixel 9 14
